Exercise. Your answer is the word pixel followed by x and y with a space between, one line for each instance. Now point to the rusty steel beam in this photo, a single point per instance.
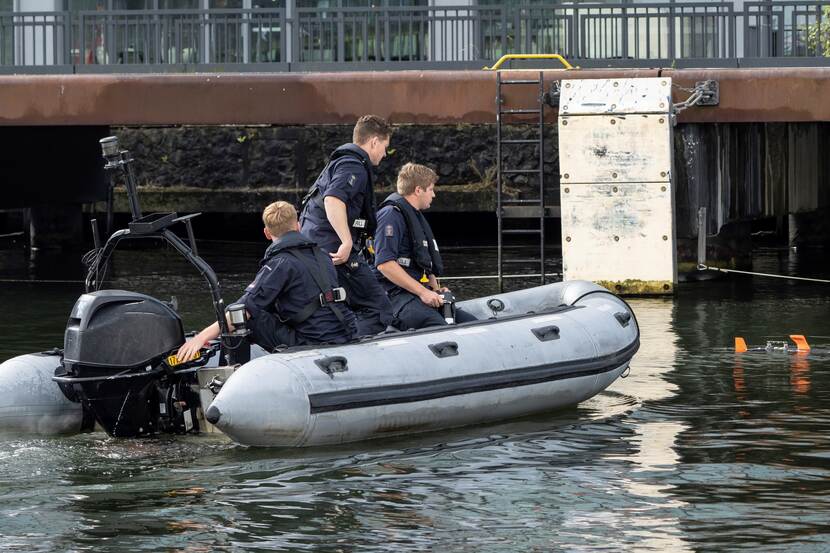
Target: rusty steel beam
pixel 405 97
pixel 759 95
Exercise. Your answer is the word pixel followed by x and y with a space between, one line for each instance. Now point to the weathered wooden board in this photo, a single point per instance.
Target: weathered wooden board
pixel 602 96
pixel 615 152
pixel 618 232
pixel 612 148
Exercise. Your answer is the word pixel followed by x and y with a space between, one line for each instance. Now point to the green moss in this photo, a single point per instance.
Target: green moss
pixel 635 287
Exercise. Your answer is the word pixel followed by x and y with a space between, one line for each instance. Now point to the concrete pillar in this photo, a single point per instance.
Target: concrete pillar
pixel 453 40
pixel 616 157
pixel 291 32
pixel 38 40
pixel 792 230
pixel 55 226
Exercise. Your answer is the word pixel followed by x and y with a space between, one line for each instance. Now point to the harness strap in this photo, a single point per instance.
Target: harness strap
pixel 316 274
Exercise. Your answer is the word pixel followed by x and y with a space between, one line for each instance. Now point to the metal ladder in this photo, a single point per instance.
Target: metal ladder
pixel 521 208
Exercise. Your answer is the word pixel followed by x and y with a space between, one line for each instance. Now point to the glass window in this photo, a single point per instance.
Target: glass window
pixel 179 4
pixel 86 5
pixel 359 3
pixel 6 34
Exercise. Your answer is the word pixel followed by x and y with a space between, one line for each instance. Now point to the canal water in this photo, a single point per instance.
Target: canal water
pixel 699 449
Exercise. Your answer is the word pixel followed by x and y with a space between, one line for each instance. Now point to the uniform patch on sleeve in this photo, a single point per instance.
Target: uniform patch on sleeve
pixel 352 179
pixel 389 231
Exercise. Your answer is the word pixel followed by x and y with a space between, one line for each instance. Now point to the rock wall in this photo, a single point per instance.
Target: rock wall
pixel 292 157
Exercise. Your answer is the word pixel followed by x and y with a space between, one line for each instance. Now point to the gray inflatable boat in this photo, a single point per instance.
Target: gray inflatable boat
pixel 31 402
pixel 530 351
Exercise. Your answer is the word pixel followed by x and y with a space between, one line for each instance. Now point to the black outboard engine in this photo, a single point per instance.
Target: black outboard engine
pixel 115 348
pixel 119 347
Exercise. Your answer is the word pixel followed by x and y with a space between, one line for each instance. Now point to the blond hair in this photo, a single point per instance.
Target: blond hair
pixel 279 218
pixel 370 126
pixel 413 175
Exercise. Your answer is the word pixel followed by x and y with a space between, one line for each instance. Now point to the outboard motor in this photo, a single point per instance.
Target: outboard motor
pixel 114 362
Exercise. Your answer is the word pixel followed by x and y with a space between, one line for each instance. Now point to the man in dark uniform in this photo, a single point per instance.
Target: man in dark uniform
pixel 407 260
pixel 294 299
pixel 339 213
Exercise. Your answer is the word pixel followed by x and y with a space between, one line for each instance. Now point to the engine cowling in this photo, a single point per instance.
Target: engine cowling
pixel 114 345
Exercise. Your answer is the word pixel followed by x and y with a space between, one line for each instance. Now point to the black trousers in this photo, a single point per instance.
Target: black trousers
pixel 365 296
pixel 268 332
pixel 410 312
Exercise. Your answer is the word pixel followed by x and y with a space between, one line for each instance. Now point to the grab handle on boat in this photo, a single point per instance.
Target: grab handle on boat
pixel 546 333
pixel 331 365
pixel 444 349
pixel 624 317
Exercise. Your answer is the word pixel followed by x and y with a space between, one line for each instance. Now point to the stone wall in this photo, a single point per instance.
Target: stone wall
pixel 292 157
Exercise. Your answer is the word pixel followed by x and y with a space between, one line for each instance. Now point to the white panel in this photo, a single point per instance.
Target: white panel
pixel 613 148
pixel 615 154
pixel 618 232
pixel 600 96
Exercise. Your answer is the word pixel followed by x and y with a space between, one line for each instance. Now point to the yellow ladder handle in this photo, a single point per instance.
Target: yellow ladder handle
pixel 507 57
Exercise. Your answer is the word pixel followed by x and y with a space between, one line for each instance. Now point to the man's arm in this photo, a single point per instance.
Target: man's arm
pixel 192 346
pixel 399 277
pixel 259 294
pixel 339 219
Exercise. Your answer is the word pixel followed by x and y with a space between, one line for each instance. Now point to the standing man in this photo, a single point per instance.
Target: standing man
pixel 407 259
pixel 339 214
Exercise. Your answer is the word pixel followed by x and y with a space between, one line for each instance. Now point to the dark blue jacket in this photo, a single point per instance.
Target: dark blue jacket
pixel 347 177
pixel 404 235
pixel 284 287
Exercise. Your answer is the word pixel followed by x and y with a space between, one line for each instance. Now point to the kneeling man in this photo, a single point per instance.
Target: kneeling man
pixel 294 298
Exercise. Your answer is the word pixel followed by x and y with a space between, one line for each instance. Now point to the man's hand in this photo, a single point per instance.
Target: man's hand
pixel 342 254
pixel 190 348
pixel 337 216
pixel 430 298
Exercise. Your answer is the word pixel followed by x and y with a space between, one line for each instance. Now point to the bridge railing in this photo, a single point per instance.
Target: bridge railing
pixel 616 35
pixel 157 37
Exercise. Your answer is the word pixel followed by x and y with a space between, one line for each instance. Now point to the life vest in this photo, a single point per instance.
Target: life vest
pixel 292 244
pixel 365 222
pixel 425 254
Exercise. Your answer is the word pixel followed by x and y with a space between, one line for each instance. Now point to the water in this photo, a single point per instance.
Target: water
pixel 699 449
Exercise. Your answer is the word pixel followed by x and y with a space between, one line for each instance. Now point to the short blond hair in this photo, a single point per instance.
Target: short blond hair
pixel 413 175
pixel 279 218
pixel 369 126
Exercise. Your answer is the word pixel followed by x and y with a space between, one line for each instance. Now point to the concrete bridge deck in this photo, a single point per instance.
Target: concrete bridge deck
pixel 405 97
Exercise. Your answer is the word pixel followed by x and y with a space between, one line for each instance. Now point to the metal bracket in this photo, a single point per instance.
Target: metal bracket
pixel 551 97
pixel 710 93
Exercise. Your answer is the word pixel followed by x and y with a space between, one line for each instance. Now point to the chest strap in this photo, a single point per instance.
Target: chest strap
pixel 328 296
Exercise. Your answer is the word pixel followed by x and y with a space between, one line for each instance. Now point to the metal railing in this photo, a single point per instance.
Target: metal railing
pixel 688 33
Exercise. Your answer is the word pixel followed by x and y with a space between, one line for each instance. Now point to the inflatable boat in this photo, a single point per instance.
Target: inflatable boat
pixel 525 352
pixel 531 351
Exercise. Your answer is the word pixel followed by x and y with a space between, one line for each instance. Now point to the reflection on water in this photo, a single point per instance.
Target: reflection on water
pixel 699 448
